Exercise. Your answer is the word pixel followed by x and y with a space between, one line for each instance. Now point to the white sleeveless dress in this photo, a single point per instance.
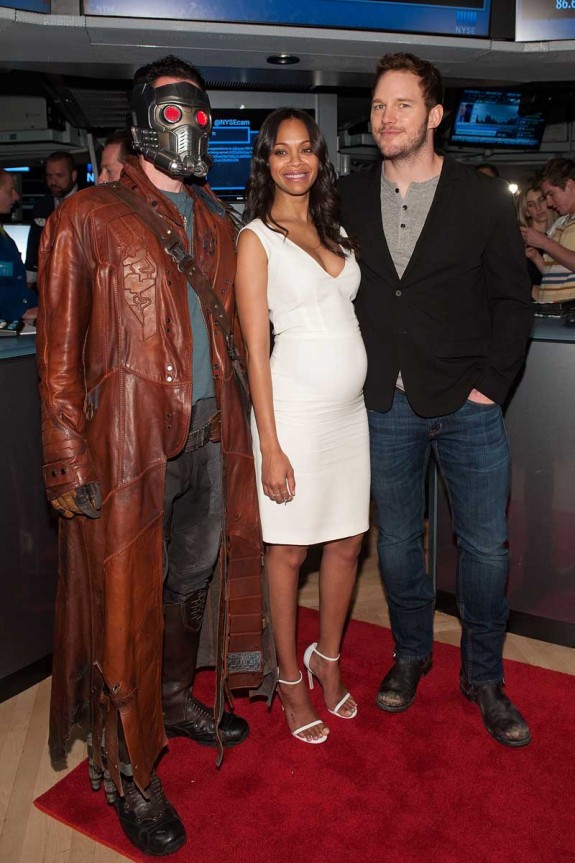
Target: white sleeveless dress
pixel 318 368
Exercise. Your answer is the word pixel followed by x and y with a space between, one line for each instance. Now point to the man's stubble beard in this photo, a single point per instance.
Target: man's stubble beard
pixel 412 147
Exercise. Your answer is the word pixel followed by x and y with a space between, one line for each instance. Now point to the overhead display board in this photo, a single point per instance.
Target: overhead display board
pixel 442 17
pixel 544 20
pixel 27 5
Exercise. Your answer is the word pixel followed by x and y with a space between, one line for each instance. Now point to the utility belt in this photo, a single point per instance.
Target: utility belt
pixel 205 424
pixel 209 431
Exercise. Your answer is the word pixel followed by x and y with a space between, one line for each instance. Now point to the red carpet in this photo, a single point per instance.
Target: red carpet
pixel 426 786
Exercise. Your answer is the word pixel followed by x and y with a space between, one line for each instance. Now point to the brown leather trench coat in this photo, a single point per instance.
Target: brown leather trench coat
pixel 114 356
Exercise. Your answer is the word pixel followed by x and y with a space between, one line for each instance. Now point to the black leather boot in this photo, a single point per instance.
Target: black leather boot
pixel 184 715
pixel 150 822
pixel 398 687
pixel 500 716
pixel 152 825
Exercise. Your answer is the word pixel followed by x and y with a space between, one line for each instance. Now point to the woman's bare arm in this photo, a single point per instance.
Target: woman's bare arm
pixel 252 302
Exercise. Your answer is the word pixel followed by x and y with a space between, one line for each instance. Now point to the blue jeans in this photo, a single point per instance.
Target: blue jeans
pixel 472 452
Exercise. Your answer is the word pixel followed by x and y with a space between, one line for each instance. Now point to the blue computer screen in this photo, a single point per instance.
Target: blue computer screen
pixel 27 5
pixel 442 17
pixel 493 118
pixel 230 147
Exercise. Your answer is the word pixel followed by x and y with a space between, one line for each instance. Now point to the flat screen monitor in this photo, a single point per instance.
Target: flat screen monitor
pixel 19 234
pixel 544 20
pixel 493 118
pixel 231 146
pixel 28 5
pixel 442 17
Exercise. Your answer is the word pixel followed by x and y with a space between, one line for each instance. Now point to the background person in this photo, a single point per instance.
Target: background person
pixel 309 424
pixel 557 259
pixel 61 176
pixel 16 299
pixel 445 311
pixel 532 212
pixel 116 148
pixel 488 169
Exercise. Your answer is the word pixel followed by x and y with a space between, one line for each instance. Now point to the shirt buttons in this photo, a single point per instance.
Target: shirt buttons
pixel 170 368
pixel 398 293
pixel 397 191
pixel 402 225
pixel 404 207
pixel 169 378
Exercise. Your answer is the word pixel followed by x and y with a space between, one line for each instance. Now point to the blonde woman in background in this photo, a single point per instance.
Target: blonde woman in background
pixel 533 212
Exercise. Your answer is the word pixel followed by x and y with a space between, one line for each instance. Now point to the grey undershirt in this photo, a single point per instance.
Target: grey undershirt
pixel 403 220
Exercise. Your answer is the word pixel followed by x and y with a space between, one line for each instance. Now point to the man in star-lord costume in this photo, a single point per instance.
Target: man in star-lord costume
pixel 148 459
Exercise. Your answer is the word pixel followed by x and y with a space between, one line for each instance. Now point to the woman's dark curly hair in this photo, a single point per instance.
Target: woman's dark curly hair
pixel 324 207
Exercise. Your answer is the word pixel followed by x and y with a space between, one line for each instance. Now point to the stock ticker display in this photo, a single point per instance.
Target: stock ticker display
pixel 442 17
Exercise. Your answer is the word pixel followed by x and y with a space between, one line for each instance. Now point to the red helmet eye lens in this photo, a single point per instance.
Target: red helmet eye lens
pixel 202 118
pixel 172 114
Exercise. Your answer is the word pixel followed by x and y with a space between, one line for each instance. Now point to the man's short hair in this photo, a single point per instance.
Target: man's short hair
pixel 431 82
pixel 123 138
pixel 556 172
pixel 62 156
pixel 169 67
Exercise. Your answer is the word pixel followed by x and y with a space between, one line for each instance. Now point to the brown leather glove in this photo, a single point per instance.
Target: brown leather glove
pixel 84 500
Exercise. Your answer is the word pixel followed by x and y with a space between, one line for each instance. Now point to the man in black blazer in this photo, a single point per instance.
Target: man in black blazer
pixel 445 311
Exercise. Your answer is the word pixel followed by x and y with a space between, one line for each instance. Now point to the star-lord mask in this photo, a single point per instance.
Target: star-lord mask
pixel 171 127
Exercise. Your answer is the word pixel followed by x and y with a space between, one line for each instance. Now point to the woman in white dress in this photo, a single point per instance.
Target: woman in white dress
pixel 296 268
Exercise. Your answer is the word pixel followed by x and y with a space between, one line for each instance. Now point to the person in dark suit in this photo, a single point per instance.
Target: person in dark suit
pixel 61 176
pixel 445 310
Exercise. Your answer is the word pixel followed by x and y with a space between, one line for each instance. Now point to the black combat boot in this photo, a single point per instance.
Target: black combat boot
pixel 184 715
pixel 150 822
pixel 151 825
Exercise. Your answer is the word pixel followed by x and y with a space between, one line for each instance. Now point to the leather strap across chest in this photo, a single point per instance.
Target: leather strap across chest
pixel 186 264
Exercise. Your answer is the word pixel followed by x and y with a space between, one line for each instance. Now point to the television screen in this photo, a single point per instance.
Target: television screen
pixel 498 118
pixel 231 146
pixel 442 17
pixel 19 234
pixel 28 5
pixel 544 20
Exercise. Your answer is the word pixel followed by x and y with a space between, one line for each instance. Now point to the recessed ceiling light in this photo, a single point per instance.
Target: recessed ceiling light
pixel 283 59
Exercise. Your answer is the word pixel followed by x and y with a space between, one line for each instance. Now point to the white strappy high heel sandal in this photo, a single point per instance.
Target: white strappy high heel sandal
pixel 299 731
pixel 310 674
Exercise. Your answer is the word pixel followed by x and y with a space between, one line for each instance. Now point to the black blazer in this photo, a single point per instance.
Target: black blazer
pixel 461 314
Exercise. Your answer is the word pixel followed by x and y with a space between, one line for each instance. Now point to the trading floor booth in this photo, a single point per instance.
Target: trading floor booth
pixel 28 547
pixel 540 421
